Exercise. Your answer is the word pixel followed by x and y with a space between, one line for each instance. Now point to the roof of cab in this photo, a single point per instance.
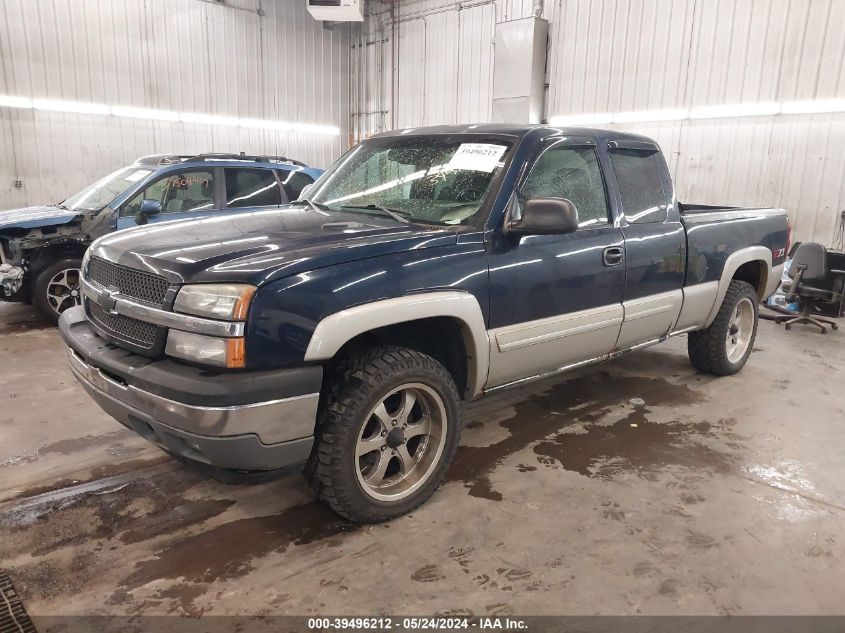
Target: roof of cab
pixel 161 161
pixel 515 129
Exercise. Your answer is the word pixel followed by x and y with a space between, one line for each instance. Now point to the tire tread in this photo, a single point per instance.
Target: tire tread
pixel 706 348
pixel 346 395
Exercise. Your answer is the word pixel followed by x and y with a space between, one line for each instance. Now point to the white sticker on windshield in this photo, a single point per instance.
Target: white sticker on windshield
pixel 477 157
pixel 136 176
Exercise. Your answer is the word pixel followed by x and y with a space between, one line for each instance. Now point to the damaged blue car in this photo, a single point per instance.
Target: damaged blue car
pixel 41 248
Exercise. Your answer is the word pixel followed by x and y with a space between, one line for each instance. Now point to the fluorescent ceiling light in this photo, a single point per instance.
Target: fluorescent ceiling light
pixel 309 128
pixel 813 107
pixel 734 110
pixel 264 124
pixel 650 115
pixel 208 119
pixel 144 113
pixel 704 112
pixel 8 101
pixel 78 107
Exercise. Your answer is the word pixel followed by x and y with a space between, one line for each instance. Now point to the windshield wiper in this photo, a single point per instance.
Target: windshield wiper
pixel 315 206
pixel 393 214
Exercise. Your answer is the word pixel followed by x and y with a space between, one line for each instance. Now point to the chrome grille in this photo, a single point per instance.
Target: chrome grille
pixel 131 330
pixel 130 282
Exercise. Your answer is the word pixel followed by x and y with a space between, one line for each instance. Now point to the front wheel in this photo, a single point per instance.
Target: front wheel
pixel 724 347
pixel 56 288
pixel 388 429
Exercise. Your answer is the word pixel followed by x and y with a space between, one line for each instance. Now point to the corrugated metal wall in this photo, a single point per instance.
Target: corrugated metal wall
pixel 609 56
pixel 444 62
pixel 184 55
pixel 687 53
pixel 604 56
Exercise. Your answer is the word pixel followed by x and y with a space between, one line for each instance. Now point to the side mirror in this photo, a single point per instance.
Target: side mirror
pixel 148 207
pixel 544 216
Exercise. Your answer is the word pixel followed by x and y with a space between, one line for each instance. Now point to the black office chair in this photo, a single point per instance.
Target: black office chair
pixel 808 265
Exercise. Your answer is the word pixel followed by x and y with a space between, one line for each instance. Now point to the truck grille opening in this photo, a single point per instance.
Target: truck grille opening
pixel 123 327
pixel 130 282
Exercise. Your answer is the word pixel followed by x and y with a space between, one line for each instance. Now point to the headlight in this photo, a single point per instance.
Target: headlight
pixel 223 352
pixel 85 259
pixel 217 301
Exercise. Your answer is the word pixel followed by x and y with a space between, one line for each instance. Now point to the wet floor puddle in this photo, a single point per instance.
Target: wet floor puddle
pixel 23 325
pixel 576 440
pixel 148 510
pixel 227 551
pixel 112 441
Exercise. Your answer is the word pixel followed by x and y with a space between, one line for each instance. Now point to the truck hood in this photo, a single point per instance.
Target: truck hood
pixel 35 217
pixel 262 246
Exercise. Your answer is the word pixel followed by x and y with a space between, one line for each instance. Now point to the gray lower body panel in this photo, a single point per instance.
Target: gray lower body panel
pixel 233 452
pixel 237 421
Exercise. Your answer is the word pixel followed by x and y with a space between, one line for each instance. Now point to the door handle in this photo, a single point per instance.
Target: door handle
pixel 613 256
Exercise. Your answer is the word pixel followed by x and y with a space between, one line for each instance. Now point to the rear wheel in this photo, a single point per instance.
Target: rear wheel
pixel 388 429
pixel 724 347
pixel 57 288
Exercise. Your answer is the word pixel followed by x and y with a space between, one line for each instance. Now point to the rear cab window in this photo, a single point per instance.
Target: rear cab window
pixel 639 172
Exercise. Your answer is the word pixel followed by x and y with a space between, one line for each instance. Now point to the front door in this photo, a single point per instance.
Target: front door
pixel 556 300
pixel 182 194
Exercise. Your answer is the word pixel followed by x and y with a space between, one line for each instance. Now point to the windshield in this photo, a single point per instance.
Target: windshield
pixel 429 179
pixel 102 192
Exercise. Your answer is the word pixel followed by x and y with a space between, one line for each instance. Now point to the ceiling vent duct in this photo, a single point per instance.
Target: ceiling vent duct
pixel 519 72
pixel 336 10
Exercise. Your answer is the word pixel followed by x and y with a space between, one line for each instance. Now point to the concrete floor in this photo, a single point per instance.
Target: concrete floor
pixel 717 496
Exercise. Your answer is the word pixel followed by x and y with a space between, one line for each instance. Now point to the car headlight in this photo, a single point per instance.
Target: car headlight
pixel 209 350
pixel 217 301
pixel 85 259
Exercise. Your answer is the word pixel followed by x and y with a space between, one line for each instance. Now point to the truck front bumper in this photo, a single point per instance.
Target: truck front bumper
pixel 234 421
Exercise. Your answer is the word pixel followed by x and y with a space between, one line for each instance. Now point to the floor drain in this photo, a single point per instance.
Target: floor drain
pixel 13 617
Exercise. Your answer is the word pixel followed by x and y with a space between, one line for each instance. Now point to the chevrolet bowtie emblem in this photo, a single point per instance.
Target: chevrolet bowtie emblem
pixel 106 300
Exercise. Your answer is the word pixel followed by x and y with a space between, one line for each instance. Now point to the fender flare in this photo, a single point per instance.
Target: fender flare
pixel 732 264
pixel 335 330
pixel 45 254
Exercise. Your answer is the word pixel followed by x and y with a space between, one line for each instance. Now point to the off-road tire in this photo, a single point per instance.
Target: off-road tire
pixel 353 389
pixel 707 349
pixel 42 279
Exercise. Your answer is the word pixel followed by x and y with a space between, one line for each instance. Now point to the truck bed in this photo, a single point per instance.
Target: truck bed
pixel 688 208
pixel 730 229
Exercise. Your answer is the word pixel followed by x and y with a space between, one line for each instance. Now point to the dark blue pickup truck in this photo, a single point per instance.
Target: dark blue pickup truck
pixel 426 267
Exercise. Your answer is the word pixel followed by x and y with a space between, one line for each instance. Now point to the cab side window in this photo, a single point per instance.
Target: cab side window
pixel 178 192
pixel 638 173
pixel 294 182
pixel 252 188
pixel 572 173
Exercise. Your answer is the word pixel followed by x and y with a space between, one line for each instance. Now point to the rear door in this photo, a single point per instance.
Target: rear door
pixel 655 242
pixel 251 189
pixel 556 300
